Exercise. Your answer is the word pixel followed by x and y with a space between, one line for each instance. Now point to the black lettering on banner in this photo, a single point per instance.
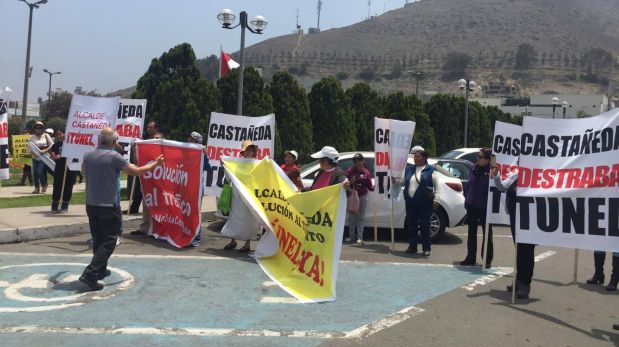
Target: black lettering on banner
pixel 496 200
pixel 547 214
pixel 240 133
pixel 381 177
pixel 595 216
pixel 613 217
pixel 523 203
pixel 573 215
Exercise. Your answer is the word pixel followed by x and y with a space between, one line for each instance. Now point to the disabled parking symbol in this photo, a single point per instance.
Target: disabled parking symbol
pixel 53 286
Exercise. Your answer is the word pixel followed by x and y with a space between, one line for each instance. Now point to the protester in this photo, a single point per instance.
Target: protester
pixel 240 217
pixel 44 142
pixel 525 253
pixel 26 172
pixel 361 181
pixel 330 173
pixel 196 137
pixel 599 257
pixel 152 128
pixel 291 168
pixel 421 196
pixel 476 205
pixel 102 167
pixel 61 188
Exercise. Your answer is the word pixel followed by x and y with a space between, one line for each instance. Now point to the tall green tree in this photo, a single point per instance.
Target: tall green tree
pixel 178 97
pixel 294 124
pixel 444 112
pixel 424 132
pixel 58 105
pixel 525 57
pixel 365 104
pixel 209 67
pixel 257 100
pixel 332 118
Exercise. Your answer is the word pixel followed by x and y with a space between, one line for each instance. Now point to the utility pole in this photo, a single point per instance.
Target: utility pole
pixel 369 7
pixel 319 9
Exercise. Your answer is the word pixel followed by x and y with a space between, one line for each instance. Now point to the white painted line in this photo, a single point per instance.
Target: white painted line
pixel 544 256
pixel 489 278
pixel 269 284
pixel 389 321
pixel 4 284
pixel 278 300
pixel 130 256
pixel 171 331
pixel 481 235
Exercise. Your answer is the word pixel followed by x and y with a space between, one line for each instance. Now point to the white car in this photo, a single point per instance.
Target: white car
pixel 469 154
pixel 450 213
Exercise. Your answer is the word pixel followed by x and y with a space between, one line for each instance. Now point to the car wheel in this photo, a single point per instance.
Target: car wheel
pixel 438 224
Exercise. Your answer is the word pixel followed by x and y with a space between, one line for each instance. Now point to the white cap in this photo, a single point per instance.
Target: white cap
pixel 49 131
pixel 416 149
pixel 294 153
pixel 196 136
pixel 326 152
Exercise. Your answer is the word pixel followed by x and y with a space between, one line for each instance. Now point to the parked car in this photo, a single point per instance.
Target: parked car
pixel 459 168
pixel 450 213
pixel 469 154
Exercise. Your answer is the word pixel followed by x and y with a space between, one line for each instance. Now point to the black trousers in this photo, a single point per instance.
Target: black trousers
pixel 476 217
pixel 68 185
pixel 137 194
pixel 105 226
pixel 525 254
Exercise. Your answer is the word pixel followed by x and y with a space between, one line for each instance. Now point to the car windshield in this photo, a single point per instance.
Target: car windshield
pixel 443 171
pixel 451 154
pixel 307 167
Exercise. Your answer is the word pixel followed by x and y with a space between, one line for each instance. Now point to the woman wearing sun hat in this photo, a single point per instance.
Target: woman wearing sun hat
pixel 44 142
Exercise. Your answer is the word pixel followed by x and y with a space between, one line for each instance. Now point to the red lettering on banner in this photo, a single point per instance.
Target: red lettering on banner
pixel 80 139
pixel 601 176
pixel 4 130
pixel 216 153
pixel 291 247
pixel 382 158
pixel 128 130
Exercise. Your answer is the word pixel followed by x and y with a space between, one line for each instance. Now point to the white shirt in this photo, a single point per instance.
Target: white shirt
pixel 413 185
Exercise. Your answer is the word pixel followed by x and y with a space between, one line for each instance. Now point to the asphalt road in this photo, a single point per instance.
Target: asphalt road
pixel 444 305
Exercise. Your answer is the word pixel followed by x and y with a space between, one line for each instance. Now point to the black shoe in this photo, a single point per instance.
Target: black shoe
pixel 616 326
pixel 93 285
pixel 488 265
pixel 411 250
pixel 467 262
pixel 137 232
pixel 612 284
pixel 426 253
pixel 510 287
pixel 106 274
pixel 522 292
pixel 598 278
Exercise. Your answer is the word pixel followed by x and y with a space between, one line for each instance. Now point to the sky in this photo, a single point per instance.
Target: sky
pixel 108 44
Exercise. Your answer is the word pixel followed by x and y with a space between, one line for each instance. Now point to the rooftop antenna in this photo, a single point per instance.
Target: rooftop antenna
pixel 298 26
pixel 369 7
pixel 319 9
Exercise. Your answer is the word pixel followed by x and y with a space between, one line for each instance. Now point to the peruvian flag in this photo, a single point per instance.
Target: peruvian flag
pixel 226 64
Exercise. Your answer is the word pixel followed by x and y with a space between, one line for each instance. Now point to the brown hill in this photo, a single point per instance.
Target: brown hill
pixel 419 36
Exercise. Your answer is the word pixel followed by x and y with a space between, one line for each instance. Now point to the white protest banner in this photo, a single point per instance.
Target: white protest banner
pixel 568 182
pixel 505 146
pixel 392 142
pixel 87 116
pixel 226 132
pixel 4 141
pixel 44 157
pixel 130 123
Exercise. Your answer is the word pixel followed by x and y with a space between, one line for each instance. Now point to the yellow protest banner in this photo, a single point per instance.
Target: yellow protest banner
pixel 20 153
pixel 305 228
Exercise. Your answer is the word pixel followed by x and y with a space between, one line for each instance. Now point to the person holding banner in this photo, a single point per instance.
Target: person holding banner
pixel 525 252
pixel 329 173
pixel 44 142
pixel 63 183
pixel 102 168
pixel 599 257
pixel 152 128
pixel 421 196
pixel 196 137
pixel 26 172
pixel 476 202
pixel 241 221
pixel 291 168
pixel 361 181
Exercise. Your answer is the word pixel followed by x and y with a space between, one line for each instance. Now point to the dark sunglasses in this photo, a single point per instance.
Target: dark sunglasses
pixel 482 157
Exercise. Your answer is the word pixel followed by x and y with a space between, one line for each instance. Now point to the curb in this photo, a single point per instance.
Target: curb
pixel 55 231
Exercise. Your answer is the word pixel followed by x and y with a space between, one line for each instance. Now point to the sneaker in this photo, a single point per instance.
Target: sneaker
pixel 118 240
pixel 36 191
pixel 360 242
pixel 426 253
pixel 44 189
pixel 92 284
pixel 467 262
pixel 522 292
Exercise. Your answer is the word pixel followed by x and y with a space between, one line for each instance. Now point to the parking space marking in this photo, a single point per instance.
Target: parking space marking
pixel 544 255
pixel 389 321
pixel 279 300
pixel 489 278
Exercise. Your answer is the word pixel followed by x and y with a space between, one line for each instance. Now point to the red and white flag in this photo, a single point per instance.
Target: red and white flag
pixel 226 64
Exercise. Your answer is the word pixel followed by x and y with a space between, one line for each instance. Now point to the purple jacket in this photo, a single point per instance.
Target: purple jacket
pixel 363 180
pixel 477 194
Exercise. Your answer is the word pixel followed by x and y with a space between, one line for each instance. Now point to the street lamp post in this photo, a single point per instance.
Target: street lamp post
pixel 564 104
pixel 49 89
pixel 555 102
pixel 418 75
pixel 32 6
pixel 467 85
pixel 226 17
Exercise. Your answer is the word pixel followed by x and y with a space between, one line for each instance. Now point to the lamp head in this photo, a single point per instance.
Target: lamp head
pixel 226 17
pixel 258 23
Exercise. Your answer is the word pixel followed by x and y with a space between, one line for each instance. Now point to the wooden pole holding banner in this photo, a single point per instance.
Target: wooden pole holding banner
pixel 64 181
pixel 132 192
pixel 392 230
pixel 575 265
pixel 515 272
pixel 376 220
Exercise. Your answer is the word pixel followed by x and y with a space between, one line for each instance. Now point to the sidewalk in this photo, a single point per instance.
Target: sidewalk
pixel 34 223
pixel 17 191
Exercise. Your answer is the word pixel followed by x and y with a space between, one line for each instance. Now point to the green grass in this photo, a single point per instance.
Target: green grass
pixel 45 200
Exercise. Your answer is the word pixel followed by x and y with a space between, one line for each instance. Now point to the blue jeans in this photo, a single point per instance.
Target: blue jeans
pixel 357 220
pixel 417 224
pixel 39 173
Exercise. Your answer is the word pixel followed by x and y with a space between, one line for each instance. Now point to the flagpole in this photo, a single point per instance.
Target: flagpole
pixel 221 58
